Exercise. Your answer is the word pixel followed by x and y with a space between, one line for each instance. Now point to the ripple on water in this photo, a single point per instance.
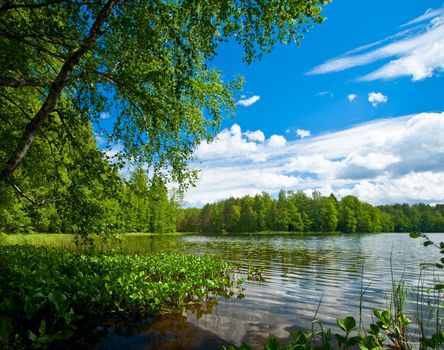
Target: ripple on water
pixel 302 275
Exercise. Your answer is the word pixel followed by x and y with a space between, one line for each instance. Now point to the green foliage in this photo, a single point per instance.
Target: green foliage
pixel 60 59
pixel 297 212
pixel 92 207
pixel 46 295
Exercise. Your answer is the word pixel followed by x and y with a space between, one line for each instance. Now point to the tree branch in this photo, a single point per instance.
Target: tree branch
pixel 55 91
pixel 22 82
pixel 30 199
pixel 10 6
pixel 15 82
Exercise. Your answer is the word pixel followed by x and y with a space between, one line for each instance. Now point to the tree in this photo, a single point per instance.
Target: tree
pixel 145 62
pixel 162 210
pixel 324 213
pixel 232 215
pixel 136 203
pixel 348 212
pixel 295 219
pixel 304 206
pixel 248 216
pixel 282 219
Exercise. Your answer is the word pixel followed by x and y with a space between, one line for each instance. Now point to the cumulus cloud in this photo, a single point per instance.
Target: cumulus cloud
pixel 235 144
pixel 229 142
pixel 416 51
pixel 277 141
pixel 352 97
pixel 376 98
pixel 246 102
pixel 303 133
pixel 383 161
pixel 255 136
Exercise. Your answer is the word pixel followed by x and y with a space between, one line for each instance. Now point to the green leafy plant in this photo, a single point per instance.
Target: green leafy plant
pixel 48 295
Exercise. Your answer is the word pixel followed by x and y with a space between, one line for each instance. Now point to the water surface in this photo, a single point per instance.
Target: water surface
pixel 303 276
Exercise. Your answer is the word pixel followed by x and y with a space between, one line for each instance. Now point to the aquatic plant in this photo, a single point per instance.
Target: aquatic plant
pixel 47 295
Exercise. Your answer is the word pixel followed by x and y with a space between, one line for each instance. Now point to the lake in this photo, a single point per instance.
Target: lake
pixel 302 276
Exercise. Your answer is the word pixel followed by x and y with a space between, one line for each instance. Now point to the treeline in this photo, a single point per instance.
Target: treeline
pixel 136 205
pixel 297 212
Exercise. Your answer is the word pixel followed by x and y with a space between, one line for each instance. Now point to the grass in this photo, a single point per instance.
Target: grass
pixel 68 241
pixel 44 239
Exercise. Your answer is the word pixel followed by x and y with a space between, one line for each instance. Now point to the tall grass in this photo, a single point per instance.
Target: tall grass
pixel 392 328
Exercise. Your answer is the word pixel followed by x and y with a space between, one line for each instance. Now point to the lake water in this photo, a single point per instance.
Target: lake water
pixel 302 275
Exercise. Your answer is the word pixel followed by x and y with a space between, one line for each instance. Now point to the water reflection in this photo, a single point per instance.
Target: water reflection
pixel 174 332
pixel 301 273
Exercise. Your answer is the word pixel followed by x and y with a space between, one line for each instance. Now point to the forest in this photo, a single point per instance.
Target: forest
pixel 143 204
pixel 298 212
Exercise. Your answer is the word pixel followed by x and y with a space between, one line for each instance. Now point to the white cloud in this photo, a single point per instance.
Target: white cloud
pixel 255 136
pixel 325 93
pixel 412 188
pixel 238 145
pixel 315 163
pixel 430 13
pixel 303 133
pixel 383 161
pixel 277 141
pixel 230 142
pixel 417 52
pixel 352 97
pixel 376 98
pixel 246 102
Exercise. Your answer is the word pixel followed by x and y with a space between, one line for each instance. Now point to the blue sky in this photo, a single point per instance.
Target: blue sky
pixel 319 102
pixel 357 109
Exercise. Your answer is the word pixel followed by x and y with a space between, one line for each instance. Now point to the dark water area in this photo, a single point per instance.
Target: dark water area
pixel 302 276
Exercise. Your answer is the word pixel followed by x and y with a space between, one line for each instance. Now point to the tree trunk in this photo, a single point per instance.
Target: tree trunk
pixel 55 91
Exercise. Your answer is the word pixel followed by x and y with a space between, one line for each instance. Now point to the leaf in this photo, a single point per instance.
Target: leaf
pixel 350 323
pixel 374 329
pixel 341 339
pixel 376 313
pixel 439 286
pixel 59 301
pixel 427 243
pixel 42 327
pixel 355 340
pixel 415 234
pixel 347 324
pixel 31 336
pixel 63 335
pixel 272 344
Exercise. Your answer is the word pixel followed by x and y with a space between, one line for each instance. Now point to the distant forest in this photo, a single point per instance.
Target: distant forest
pixel 297 212
pixel 140 204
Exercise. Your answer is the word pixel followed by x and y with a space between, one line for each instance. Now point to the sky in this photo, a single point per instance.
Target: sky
pixel 357 109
